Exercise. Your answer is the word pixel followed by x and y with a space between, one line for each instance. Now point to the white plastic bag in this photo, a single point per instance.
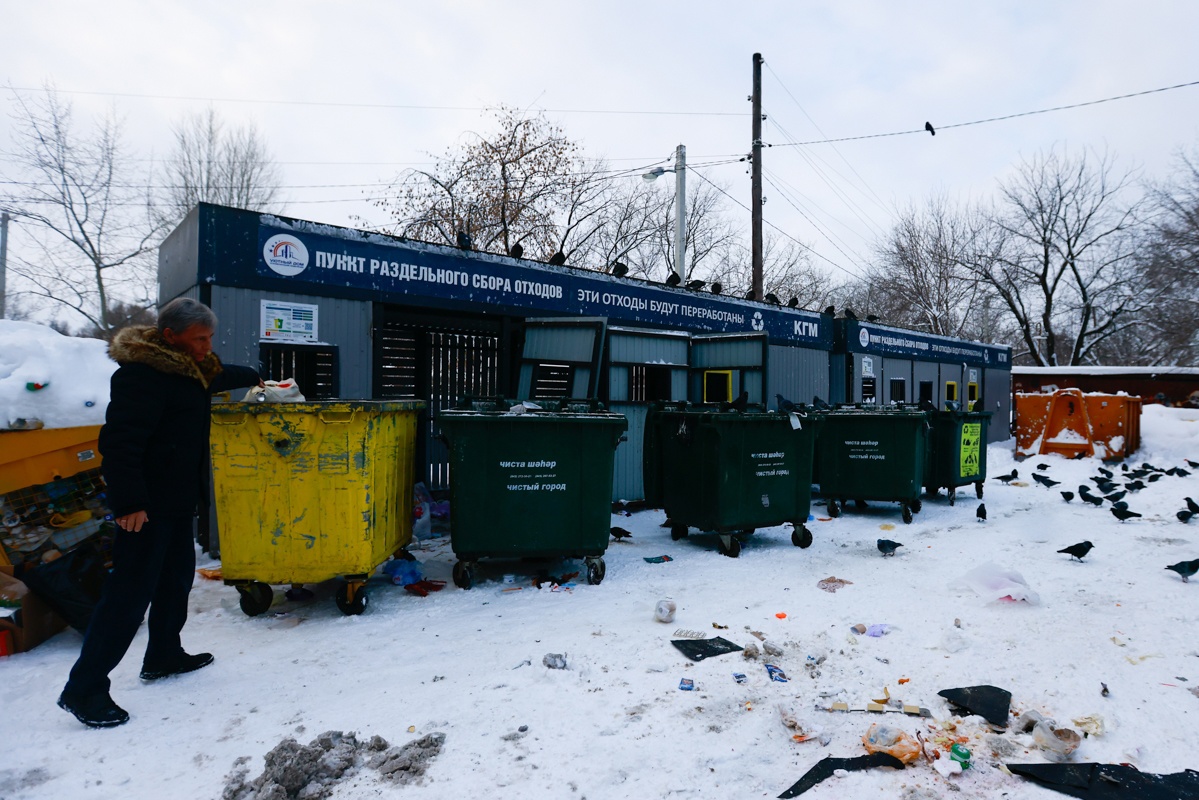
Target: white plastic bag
pixel 992 582
pixel 285 391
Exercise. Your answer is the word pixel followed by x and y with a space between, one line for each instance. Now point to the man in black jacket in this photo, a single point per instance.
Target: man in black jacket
pixel 154 443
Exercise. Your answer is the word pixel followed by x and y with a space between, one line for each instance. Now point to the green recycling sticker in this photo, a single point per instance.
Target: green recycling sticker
pixel 971 441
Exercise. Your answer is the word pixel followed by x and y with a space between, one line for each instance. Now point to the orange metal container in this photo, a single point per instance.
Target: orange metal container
pixel 31 458
pixel 1071 423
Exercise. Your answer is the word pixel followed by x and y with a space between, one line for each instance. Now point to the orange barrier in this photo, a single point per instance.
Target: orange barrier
pixel 1074 424
pixel 29 458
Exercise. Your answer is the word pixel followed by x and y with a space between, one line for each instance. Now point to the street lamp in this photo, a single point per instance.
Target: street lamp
pixel 680 205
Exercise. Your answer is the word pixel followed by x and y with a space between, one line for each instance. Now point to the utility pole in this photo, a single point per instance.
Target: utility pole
pixel 755 204
pixel 3 258
pixel 680 212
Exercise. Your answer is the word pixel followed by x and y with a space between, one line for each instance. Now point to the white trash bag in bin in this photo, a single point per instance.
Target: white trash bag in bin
pixel 285 391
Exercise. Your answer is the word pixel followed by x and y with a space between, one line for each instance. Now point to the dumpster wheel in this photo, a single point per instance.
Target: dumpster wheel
pixel 255 597
pixel 917 506
pixel 953 496
pixel 801 536
pixel 978 490
pixel 729 545
pixel 678 532
pixel 834 509
pixel 596 570
pixel 907 514
pixel 464 574
pixel 351 598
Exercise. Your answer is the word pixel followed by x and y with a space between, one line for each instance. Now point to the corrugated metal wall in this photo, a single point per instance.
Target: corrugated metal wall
pixel 724 353
pixel 997 395
pixel 559 343
pixel 625 348
pixel 345 323
pixel 896 368
pixel 927 371
pixel 627 479
pixel 957 374
pixel 837 364
pixel 798 374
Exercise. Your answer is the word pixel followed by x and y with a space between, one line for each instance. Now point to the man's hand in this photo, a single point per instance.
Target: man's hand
pixel 133 522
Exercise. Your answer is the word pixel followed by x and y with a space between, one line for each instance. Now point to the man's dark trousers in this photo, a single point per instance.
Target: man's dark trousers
pixel 154 568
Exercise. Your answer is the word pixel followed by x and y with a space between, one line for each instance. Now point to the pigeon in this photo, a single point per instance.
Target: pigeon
pixel 620 269
pixel 873 317
pixel 517 250
pixel 928 126
pixel 1192 506
pixel 1042 467
pixel 793 302
pixel 558 259
pixel 620 533
pixel 1067 496
pixel 981 512
pixel 1134 486
pixel 1123 514
pixel 771 297
pixel 740 404
pixel 1157 476
pixel 832 312
pixel 673 279
pixel 1008 478
pixel 849 314
pixel 888 547
pixel 819 404
pixel 1083 494
pixel 749 295
pixel 1077 550
pixel 695 285
pixel 1107 473
pixel 1120 504
pixel 1115 497
pixel 1184 516
pixel 1177 472
pixel 716 288
pixel 1124 468
pixel 1192 464
pixel 1048 483
pixel 1185 568
pixel 464 242
pixel 785 404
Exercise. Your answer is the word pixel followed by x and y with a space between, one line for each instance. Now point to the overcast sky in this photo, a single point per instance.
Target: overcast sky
pixel 833 69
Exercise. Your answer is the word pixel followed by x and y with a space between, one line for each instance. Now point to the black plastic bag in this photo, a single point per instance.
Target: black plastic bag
pixel 70 585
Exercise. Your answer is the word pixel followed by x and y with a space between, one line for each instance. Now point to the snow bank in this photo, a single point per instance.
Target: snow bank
pixel 72 372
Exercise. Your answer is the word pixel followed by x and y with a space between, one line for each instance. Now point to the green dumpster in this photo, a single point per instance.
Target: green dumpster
pixel 529 482
pixel 872 454
pixel 957 451
pixel 729 472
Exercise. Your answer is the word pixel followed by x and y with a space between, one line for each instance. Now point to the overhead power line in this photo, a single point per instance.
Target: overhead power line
pixel 990 119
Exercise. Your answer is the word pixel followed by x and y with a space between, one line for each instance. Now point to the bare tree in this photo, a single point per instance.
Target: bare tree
pixel 214 164
pixel 1061 258
pixel 89 223
pixel 787 272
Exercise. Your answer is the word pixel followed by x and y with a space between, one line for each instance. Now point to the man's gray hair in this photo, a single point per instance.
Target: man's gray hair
pixel 183 312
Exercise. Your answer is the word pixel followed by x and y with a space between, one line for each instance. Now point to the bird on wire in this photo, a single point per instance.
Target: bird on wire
pixel 558 259
pixel 619 534
pixel 716 288
pixel 1077 550
pixel 695 285
pixel 673 279
pixel 1008 478
pixel 888 547
pixel 517 250
pixel 1045 481
pixel 1192 506
pixel 464 242
pixel 1068 496
pixel 1123 514
pixel 981 512
pixel 620 269
pixel 1185 568
pixel 928 126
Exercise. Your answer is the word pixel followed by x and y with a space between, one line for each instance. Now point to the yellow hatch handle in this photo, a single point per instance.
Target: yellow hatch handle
pixel 336 417
pixel 228 419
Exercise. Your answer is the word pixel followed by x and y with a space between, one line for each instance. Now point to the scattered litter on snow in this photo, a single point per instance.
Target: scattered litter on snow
pixel 992 582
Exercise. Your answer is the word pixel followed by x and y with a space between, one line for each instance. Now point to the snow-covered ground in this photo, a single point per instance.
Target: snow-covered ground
pixel 614 724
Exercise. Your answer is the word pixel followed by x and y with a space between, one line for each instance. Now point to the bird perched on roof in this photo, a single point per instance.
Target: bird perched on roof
pixel 694 285
pixel 888 547
pixel 832 312
pixel 558 259
pixel 1123 514
pixel 740 404
pixel 673 279
pixel 1067 496
pixel 873 317
pixel 928 126
pixel 785 404
pixel 981 512
pixel 1185 568
pixel 464 242
pixel 517 250
pixel 848 313
pixel 1192 506
pixel 1047 482
pixel 1008 478
pixel 793 302
pixel 620 269
pixel 771 297
pixel 1184 516
pixel 1077 550
pixel 819 404
pixel 749 295
pixel 620 533
pixel 716 288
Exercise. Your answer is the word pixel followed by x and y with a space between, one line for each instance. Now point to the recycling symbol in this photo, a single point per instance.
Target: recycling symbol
pixel 757 323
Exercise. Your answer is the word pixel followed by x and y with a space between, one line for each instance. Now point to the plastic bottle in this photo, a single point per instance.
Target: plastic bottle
pixel 961 755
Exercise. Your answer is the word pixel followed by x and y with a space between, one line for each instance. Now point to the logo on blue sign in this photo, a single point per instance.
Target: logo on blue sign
pixel 864 337
pixel 757 323
pixel 285 254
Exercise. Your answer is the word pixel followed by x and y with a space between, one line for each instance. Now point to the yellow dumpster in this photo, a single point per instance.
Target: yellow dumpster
pixel 306 492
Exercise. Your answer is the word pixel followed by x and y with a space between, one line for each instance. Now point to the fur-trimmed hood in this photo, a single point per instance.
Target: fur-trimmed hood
pixel 145 345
